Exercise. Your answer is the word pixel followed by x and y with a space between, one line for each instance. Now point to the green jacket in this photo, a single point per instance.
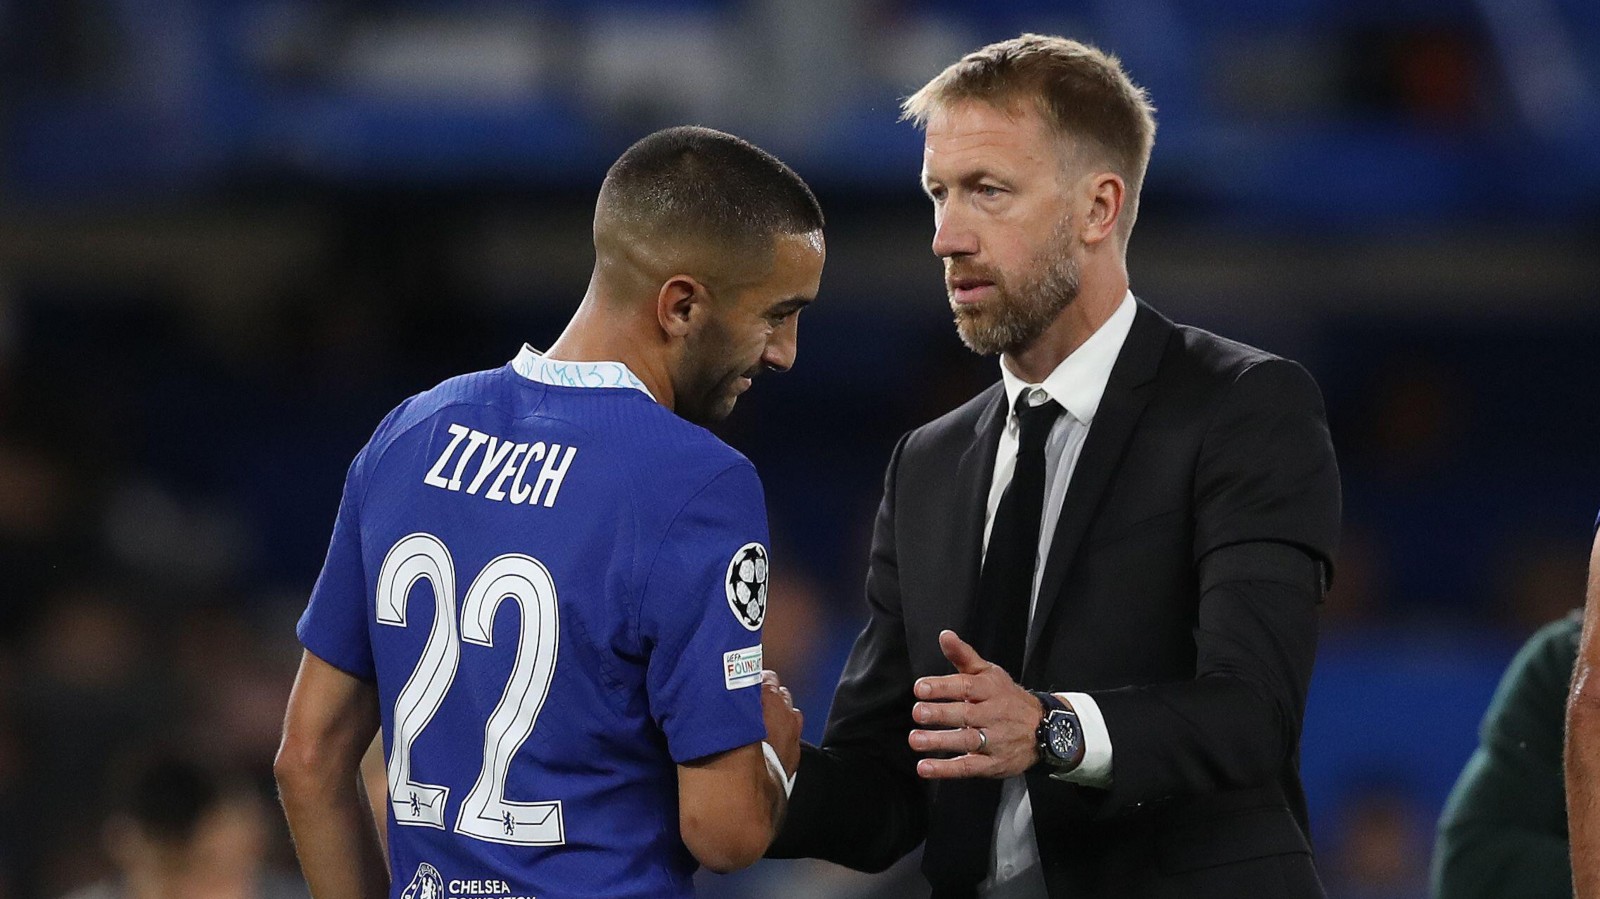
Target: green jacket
pixel 1504 829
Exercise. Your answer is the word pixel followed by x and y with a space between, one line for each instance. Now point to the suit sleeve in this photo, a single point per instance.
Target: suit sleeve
pixel 857 800
pixel 1266 500
pixel 1504 828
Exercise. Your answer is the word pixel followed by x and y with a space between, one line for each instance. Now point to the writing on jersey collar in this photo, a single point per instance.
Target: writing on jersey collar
pixel 535 366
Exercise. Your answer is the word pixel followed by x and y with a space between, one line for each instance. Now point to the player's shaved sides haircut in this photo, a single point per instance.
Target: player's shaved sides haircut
pixel 1082 92
pixel 699 183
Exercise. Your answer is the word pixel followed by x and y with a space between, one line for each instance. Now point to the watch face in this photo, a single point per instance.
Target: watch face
pixel 1063 736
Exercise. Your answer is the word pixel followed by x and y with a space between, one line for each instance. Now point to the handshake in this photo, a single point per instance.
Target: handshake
pixel 977 722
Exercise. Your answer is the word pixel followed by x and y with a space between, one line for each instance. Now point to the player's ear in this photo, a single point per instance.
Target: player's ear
pixel 680 303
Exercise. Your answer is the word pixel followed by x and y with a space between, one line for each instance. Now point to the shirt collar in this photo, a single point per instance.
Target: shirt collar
pixel 535 366
pixel 1079 382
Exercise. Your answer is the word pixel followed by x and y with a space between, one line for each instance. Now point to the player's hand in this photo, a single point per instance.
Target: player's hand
pixel 979 698
pixel 784 721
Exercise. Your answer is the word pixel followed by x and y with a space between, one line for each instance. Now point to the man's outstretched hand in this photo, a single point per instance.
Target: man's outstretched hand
pixel 994 719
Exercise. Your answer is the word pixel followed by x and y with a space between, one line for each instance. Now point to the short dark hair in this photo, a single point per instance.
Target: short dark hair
pixel 699 182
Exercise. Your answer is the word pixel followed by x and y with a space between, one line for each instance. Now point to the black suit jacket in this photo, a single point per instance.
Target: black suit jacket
pixel 1180 592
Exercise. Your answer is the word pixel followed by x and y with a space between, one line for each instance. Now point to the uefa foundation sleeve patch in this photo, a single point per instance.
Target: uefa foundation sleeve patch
pixel 742 667
pixel 747 585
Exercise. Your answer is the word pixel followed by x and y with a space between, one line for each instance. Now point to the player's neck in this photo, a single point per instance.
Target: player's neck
pixel 598 333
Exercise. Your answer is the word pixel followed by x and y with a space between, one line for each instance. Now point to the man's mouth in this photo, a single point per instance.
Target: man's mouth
pixel 969 290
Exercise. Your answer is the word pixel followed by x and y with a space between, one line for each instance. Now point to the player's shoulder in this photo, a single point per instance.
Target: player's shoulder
pixel 693 454
pixel 472 388
pixel 662 455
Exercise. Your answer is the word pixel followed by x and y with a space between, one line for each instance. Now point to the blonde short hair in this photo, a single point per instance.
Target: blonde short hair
pixel 1081 91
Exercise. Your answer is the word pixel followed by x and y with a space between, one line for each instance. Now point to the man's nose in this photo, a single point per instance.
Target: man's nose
pixel 952 236
pixel 782 347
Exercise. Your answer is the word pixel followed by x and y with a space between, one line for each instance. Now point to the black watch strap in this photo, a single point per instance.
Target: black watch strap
pixel 1059 739
pixel 1050 701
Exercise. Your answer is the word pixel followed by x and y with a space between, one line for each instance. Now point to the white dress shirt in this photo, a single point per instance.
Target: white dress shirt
pixel 1078 384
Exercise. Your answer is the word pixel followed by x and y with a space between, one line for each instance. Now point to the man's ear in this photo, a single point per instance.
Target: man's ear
pixel 1106 196
pixel 680 303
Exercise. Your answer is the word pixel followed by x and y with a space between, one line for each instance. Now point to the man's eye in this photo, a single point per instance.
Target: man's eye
pixel 989 190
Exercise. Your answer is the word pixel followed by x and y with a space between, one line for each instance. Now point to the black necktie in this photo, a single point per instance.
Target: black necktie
pixel 999 626
pixel 961 829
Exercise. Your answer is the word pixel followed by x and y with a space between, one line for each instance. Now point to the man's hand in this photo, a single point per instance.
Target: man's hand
pixel 995 719
pixel 784 721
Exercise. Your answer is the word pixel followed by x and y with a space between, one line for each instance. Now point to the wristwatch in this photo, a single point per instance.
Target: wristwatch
pixel 1059 737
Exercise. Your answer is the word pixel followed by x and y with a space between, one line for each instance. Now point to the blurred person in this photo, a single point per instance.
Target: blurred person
pixel 605 731
pixel 1581 749
pixel 12 770
pixel 182 830
pixel 1503 831
pixel 1138 510
pixel 235 676
pixel 1380 846
pixel 88 682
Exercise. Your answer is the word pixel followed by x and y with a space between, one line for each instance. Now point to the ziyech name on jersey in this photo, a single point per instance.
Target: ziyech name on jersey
pixel 501 465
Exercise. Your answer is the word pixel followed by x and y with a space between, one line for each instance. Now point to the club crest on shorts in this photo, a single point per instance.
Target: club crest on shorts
pixel 747 585
pixel 425 884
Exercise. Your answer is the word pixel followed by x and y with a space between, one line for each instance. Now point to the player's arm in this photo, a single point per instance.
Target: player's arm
pixel 1583 745
pixel 731 804
pixel 331 719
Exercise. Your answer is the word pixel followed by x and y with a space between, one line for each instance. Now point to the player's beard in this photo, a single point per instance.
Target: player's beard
pixel 1015 316
pixel 709 378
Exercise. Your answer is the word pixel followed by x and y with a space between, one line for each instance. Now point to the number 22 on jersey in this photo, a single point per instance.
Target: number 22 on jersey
pixel 485 814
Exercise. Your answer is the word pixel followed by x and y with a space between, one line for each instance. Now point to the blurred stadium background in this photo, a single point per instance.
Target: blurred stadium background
pixel 234 233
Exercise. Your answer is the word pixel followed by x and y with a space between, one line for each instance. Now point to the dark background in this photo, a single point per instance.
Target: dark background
pixel 234 233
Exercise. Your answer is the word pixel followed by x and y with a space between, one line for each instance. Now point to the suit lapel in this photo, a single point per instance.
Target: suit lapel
pixel 1127 392
pixel 974 476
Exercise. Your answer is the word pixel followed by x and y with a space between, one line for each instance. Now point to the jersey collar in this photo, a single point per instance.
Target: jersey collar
pixel 535 366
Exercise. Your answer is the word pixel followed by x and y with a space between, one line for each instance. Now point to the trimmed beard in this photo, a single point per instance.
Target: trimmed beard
pixel 705 391
pixel 1015 318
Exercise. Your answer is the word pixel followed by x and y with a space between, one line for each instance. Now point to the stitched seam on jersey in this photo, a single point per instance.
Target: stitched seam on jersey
pixel 407 430
pixel 612 678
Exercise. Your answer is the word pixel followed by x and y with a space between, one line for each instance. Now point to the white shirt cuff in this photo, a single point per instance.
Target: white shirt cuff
pixel 776 765
pixel 1095 771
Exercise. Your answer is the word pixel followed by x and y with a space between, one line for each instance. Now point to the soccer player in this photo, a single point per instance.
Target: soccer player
pixel 547 583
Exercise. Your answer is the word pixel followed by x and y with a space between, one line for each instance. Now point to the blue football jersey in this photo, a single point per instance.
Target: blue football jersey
pixel 558 587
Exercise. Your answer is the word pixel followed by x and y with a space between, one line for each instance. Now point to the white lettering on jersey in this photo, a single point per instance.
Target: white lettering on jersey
pixel 553 474
pixel 520 493
pixel 495 492
pixel 474 440
pixel 432 478
pixel 503 455
pixel 498 450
